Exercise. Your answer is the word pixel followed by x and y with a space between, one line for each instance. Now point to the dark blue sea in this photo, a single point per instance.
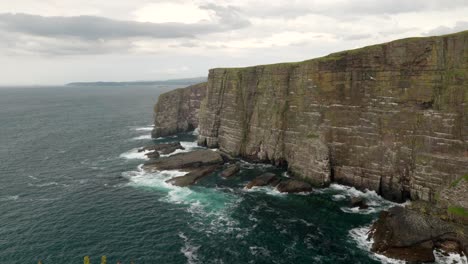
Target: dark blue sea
pixel 71 185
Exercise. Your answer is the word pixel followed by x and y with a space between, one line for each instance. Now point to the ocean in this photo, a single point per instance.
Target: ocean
pixel 71 185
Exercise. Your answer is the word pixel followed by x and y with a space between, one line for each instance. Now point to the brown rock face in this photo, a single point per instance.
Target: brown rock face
pixel 391 118
pixel 405 234
pixel 177 111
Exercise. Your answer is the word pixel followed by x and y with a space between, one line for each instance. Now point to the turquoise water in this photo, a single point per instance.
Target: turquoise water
pixel 71 185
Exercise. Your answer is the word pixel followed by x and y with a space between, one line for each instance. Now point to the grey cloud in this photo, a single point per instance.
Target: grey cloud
pixel 93 27
pixel 459 26
pixel 350 8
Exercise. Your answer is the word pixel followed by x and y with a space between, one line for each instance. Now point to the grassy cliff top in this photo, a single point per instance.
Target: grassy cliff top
pixel 338 55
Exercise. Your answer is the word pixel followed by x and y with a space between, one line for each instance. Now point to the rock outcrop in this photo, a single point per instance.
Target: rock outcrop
pixel 231 170
pixel 186 161
pixel 392 118
pixel 177 111
pixel 165 148
pixel 193 176
pixel 264 180
pixel 409 235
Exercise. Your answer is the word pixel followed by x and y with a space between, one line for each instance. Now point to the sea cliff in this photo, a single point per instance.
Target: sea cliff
pixel 177 111
pixel 390 118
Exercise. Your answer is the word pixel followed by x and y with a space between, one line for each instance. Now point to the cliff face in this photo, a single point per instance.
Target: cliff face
pixel 177 111
pixel 391 118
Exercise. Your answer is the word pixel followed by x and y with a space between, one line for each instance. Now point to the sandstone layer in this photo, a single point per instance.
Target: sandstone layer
pixel 177 111
pixel 391 118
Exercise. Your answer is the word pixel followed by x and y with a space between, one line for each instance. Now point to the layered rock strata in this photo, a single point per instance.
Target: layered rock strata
pixel 391 118
pixel 177 111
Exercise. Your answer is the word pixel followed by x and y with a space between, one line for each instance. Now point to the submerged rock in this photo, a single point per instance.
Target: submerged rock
pixel 231 170
pixel 408 235
pixel 189 160
pixel 264 180
pixel 193 177
pixel 153 155
pixel 359 202
pixel 294 186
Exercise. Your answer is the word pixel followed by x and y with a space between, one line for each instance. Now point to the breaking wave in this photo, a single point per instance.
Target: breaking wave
pixel 360 234
pixel 375 202
pixel 144 137
pixel 134 154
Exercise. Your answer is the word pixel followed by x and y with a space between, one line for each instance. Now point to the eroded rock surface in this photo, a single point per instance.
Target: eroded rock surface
pixel 293 186
pixel 177 111
pixel 264 180
pixel 409 235
pixel 231 170
pixel 390 118
pixel 193 176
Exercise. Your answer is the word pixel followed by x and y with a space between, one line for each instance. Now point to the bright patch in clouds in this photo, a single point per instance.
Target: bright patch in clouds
pixel 172 12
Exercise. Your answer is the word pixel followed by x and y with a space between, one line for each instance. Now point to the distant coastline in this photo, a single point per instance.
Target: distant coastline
pixel 186 81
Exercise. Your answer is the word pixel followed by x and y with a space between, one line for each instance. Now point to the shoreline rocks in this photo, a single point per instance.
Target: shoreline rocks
pixel 193 177
pixel 164 148
pixel 265 179
pixel 188 160
pixel 405 234
pixel 293 186
pixel 230 170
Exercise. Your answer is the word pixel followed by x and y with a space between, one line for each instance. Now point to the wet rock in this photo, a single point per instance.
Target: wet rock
pixel 189 160
pixel 404 234
pixel 294 186
pixel 264 180
pixel 231 170
pixel 164 148
pixel 153 155
pixel 193 177
pixel 359 202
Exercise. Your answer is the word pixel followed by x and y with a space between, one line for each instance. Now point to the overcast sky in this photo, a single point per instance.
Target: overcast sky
pixel 60 41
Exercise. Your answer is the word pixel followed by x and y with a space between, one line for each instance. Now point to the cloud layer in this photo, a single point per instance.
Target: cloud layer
pixel 72 37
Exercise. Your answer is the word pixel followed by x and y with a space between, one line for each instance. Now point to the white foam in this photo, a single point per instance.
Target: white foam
pixel 187 145
pixel 265 189
pixel 256 251
pixel 134 154
pixel 210 208
pixel 143 137
pixel 375 202
pixel 450 258
pixel 147 128
pixel 189 250
pixel 338 197
pixel 196 132
pixel 359 235
pixel 10 198
pixel 248 165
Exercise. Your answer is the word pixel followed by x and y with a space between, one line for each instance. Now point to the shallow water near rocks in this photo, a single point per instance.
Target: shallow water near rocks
pixel 71 184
